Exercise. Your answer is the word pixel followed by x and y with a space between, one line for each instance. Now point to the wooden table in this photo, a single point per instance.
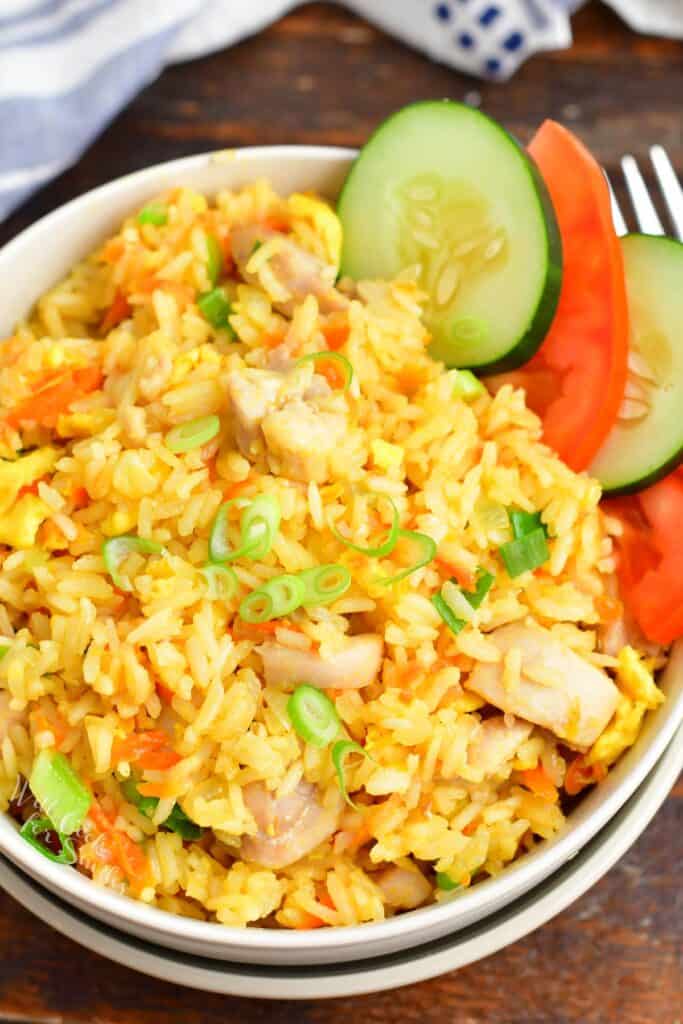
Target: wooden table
pixel 321 75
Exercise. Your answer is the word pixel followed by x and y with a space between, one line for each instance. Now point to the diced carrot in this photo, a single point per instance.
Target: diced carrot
pixel 331 371
pixel 465 577
pixel 539 782
pixel 118 311
pixel 471 827
pixel 115 847
pixel 100 820
pixel 31 488
pixel 161 790
pixel 234 490
pixel 306 921
pixel 272 340
pixel 579 775
pixel 410 379
pixel 54 724
pixel 610 609
pixel 45 406
pixel 165 694
pixel 150 750
pixel 80 497
pixel 113 250
pixel 325 898
pixel 276 222
pixel 336 335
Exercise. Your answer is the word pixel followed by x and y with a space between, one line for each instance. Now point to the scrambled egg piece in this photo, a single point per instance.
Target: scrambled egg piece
pixel 639 694
pixel 324 220
pixel 84 424
pixel 19 526
pixel 23 472
pixel 386 455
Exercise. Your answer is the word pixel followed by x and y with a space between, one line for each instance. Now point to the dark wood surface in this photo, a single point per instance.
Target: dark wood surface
pixel 321 75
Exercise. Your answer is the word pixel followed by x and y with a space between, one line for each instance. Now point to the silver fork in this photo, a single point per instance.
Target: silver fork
pixel 647 217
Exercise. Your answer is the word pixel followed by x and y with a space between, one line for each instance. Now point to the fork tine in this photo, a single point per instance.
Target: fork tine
pixel 670 186
pixel 646 215
pixel 617 216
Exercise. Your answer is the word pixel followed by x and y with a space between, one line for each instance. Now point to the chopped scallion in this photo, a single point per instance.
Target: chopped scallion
pixel 335 358
pixel 525 553
pixel 116 549
pixel 215 308
pixel 446 883
pixel 381 550
pixel 214 258
pixel 523 523
pixel 467 386
pixel 194 434
pixel 324 583
pixel 448 615
pixel 155 213
pixel 177 820
pixel 313 715
pixel 62 796
pixel 257 607
pixel 428 547
pixel 340 752
pixel 259 525
pixel 485 581
pixel 34 828
pixel 287 592
pixel 221 582
pixel 4 648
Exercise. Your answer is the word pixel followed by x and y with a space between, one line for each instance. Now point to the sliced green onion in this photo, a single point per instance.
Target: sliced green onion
pixel 485 581
pixel 4 648
pixel 215 307
pixel 525 553
pixel 257 607
pixel 340 752
pixel 287 593
pixel 334 357
pixel 255 247
pixel 428 553
pixel 313 715
pixel 155 213
pixel 448 615
pixel 259 525
pixel 456 599
pixel 524 523
pixel 177 820
pixel 324 583
pixel 467 386
pixel 193 434
pixel 446 883
pixel 59 791
pixel 116 549
pixel 36 827
pixel 221 581
pixel 214 258
pixel 382 550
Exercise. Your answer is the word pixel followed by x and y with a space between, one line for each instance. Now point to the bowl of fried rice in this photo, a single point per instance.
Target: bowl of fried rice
pixel 269 691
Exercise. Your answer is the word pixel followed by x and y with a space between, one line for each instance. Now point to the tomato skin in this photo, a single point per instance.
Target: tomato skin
pixel 576 380
pixel 651 557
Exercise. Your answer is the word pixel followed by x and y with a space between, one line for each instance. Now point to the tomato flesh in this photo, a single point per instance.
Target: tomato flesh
pixel 651 557
pixel 576 380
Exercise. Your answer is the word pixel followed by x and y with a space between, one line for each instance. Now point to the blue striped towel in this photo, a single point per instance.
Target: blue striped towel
pixel 67 67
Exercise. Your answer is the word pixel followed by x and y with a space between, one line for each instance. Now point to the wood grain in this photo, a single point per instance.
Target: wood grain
pixel 322 76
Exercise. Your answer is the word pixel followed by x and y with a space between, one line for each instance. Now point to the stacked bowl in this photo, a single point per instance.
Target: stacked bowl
pixel 282 964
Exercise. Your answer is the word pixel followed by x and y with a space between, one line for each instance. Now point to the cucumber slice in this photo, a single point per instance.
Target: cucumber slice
pixel 441 186
pixel 646 442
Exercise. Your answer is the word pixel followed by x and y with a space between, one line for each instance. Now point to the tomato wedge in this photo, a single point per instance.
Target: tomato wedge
pixel 651 557
pixel 576 380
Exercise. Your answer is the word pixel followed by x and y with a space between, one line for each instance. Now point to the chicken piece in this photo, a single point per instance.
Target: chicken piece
pixel 252 394
pixel 301 439
pixel 289 827
pixel 297 271
pixel 356 665
pixel 573 699
pixel 495 742
pixel 403 888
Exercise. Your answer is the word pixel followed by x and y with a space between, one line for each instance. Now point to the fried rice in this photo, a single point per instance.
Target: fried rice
pixel 462 773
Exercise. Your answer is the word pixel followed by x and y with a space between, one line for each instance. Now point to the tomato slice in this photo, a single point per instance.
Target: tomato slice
pixel 651 557
pixel 576 380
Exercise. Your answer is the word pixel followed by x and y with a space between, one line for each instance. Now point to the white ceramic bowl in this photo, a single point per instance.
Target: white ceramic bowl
pixel 31 264
pixel 326 981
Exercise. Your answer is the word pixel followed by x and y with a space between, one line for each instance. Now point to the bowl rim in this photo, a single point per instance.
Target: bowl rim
pixel 596 809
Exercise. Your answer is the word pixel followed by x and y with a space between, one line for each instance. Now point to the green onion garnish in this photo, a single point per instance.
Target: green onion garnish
pixel 257 607
pixel 428 547
pixel 287 592
pixel 331 357
pixel 215 308
pixel 116 549
pixel 446 883
pixel 36 827
pixel 194 434
pixel 324 583
pixel 4 648
pixel 155 213
pixel 485 581
pixel 221 582
pixel 448 615
pixel 59 791
pixel 340 751
pixel 177 820
pixel 382 550
pixel 259 525
pixel 313 715
pixel 214 258
pixel 529 548
pixel 467 386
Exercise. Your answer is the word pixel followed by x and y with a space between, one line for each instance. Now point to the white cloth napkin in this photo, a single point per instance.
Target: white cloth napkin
pixel 67 67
